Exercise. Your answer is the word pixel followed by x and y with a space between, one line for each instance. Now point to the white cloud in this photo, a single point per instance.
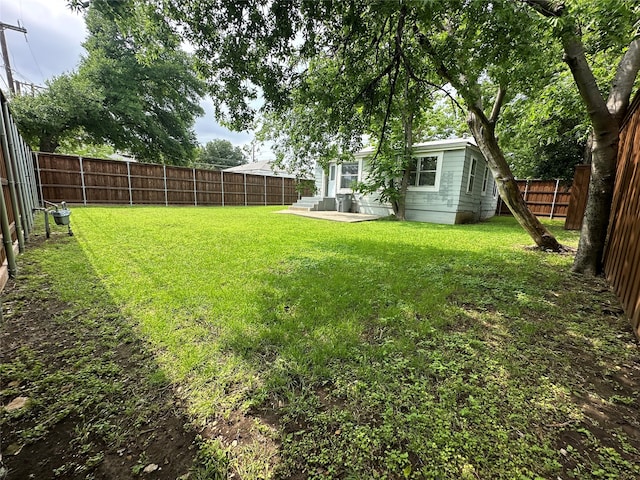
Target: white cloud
pixel 53 45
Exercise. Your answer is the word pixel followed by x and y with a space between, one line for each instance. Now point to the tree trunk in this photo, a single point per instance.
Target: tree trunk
pixel 604 151
pixel 484 133
pixel 593 234
pixel 49 144
pixel 400 211
pixel 483 130
pixel 407 124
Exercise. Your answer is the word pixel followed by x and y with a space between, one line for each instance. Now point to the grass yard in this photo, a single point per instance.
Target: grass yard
pixel 303 348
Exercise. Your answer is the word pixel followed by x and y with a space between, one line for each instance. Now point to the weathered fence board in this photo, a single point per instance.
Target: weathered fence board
pixel 578 200
pixel 622 252
pixel 95 181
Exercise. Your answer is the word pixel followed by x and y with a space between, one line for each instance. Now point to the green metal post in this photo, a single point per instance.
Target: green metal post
pixel 12 188
pixel 17 177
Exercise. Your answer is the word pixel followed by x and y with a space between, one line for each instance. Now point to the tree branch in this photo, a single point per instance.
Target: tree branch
pixel 459 82
pixel 418 79
pixel 574 56
pixel 375 81
pixel 497 104
pixel 387 113
pixel 547 8
pixel 395 60
pixel 622 84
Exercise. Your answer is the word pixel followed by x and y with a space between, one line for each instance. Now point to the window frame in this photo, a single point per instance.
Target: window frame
pixel 472 175
pixel 340 176
pixel 485 180
pixel 438 155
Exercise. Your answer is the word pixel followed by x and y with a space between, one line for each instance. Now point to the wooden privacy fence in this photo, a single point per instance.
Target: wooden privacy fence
pixel 94 181
pixel 545 198
pixel 622 252
pixel 579 195
pixel 19 195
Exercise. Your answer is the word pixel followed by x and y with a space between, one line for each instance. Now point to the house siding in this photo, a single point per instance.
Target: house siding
pixel 318 175
pixel 370 205
pixel 474 206
pixel 439 206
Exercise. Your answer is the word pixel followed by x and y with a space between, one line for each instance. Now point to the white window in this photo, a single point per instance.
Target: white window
pixel 495 190
pixel 348 174
pixel 425 172
pixel 485 180
pixel 472 175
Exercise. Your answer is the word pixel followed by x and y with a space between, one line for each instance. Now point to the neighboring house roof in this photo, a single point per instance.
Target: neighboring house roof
pixel 263 167
pixel 448 144
pixel 124 157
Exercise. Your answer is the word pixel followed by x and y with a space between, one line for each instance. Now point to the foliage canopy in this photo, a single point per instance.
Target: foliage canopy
pixel 117 98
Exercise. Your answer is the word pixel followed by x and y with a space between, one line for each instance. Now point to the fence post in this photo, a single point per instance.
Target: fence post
pixel 20 180
pixel 283 191
pixel 195 187
pixel 245 188
pixel 526 190
pixel 129 180
pixel 555 195
pixel 265 189
pixel 39 178
pixel 32 172
pixel 27 180
pixel 166 196
pixel 84 188
pixel 222 185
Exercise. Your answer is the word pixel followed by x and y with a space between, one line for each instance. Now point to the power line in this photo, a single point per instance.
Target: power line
pixel 5 52
pixel 26 39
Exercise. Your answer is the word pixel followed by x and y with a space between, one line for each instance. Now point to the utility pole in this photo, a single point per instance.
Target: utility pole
pixel 5 52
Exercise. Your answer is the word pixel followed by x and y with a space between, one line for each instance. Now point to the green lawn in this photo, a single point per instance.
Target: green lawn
pixel 314 349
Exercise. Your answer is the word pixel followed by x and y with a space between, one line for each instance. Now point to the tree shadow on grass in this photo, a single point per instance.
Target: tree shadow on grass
pixel 442 363
pixel 98 405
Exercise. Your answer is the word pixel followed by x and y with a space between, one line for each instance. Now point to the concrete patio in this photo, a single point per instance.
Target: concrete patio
pixel 332 215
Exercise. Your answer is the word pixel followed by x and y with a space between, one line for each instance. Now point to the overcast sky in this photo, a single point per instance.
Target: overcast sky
pixel 52 46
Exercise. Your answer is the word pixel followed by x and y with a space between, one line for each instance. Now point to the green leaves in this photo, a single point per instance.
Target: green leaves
pixel 220 154
pixel 118 96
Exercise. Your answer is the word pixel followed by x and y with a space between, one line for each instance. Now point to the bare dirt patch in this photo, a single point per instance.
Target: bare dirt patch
pixel 97 405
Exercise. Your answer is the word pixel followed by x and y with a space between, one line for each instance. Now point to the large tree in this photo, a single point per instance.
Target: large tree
pixel 147 108
pixel 68 103
pixel 584 28
pixel 219 154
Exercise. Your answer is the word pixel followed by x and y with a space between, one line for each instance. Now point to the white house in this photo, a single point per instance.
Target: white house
pixel 451 184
